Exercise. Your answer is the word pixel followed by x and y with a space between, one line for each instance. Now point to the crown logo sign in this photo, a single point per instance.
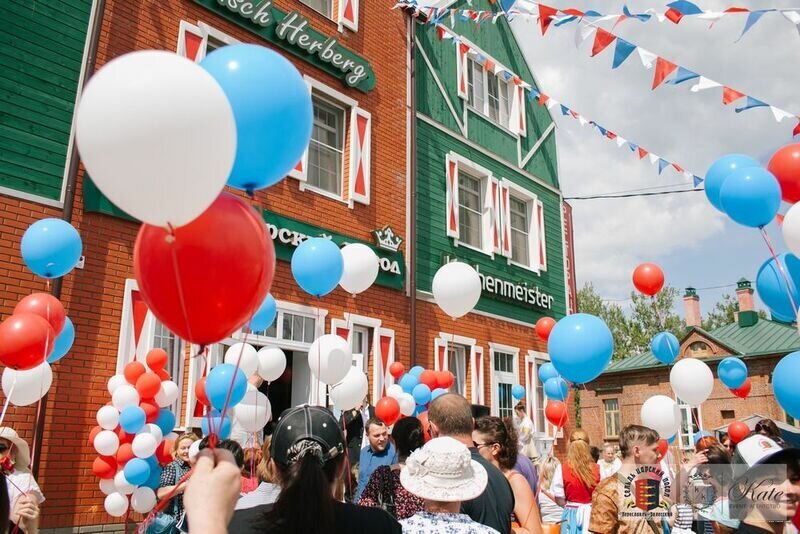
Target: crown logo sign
pixel 387 239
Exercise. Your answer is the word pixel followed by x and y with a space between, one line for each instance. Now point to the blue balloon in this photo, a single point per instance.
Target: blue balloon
pixel 137 471
pixel 421 394
pixel 165 421
pixel 265 315
pixel 132 419
pixel 719 171
pixel 518 392
pixel 672 438
pixel 547 371
pixel 580 347
pixel 63 342
pixel 221 426
pixel 732 372
pixel 222 379
pixel 273 111
pixel 784 384
pixel 772 288
pixel 154 481
pixel 556 389
pixel 438 392
pixel 751 196
pixel 51 248
pixel 700 435
pixel 416 370
pixel 317 266
pixel 408 382
pixel 665 347
pixel 781 318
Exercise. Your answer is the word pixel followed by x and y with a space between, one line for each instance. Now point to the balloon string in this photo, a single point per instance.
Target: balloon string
pixel 171 238
pixel 233 381
pixel 658 313
pixel 318 359
pixel 789 284
pixel 347 460
pixel 8 399
pixel 163 503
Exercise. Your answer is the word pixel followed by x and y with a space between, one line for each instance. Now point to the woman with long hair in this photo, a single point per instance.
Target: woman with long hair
pixel 549 508
pixel 496 441
pixel 574 482
pixel 170 484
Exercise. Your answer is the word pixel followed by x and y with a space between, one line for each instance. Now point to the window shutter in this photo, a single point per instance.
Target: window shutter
pixel 136 323
pixel 531 404
pixel 191 42
pixel 341 329
pixel 440 354
pixel 476 374
pixel 348 14
pixel 451 197
pixel 360 148
pixel 198 369
pixel 496 215
pixel 505 207
pixel 541 237
pixel 516 105
pixel 523 127
pixel 462 52
pixel 300 171
pixel 383 355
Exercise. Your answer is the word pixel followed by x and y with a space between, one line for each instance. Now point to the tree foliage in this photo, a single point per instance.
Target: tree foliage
pixel 723 313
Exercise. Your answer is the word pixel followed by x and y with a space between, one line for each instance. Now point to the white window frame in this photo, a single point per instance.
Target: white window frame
pixel 487 216
pixel 449 340
pixel 326 15
pixel 536 401
pixel 503 377
pixel 686 411
pixel 502 85
pixel 606 435
pixel 530 200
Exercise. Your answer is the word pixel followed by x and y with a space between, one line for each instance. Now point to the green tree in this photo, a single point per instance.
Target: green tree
pixel 652 315
pixel 589 301
pixel 723 313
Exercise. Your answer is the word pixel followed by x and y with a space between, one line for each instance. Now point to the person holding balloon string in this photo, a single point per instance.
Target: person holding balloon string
pixel 170 484
pixel 24 494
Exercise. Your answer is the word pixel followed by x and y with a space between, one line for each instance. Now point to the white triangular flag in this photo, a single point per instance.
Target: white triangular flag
pixel 647 57
pixel 780 114
pixel 620 141
pixel 583 121
pixel 688 175
pixel 583 32
pixel 551 103
pixel 653 158
pixel 793 17
pixel 711 15
pixel 704 83
pixel 661 17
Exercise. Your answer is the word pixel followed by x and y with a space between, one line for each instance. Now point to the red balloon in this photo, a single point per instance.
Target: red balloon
pixel 148 385
pixel 133 371
pixel 737 431
pixel 124 454
pixel 743 391
pixel 387 410
pixel 429 379
pixel 93 434
pixel 45 306
pixel 162 374
pixel 426 425
pixel 785 165
pixel 26 340
pixel 663 448
pixel 124 437
pixel 397 370
pixel 556 413
pixel 104 467
pixel 648 279
pixel 200 392
pixel 445 379
pixel 544 326
pixel 206 280
pixel 151 410
pixel 157 359
pixel 164 452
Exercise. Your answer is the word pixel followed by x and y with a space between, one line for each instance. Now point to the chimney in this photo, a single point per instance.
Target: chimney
pixel 691 308
pixel 744 294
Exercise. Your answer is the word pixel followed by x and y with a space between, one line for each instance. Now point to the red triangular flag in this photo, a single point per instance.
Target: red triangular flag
pixel 489 65
pixel 545 14
pixel 574 12
pixel 737 10
pixel 543 98
pixel 611 135
pixel 796 130
pixel 730 95
pixel 601 40
pixel 440 32
pixel 663 69
pixel 674 15
pixel 677 167
pixel 642 153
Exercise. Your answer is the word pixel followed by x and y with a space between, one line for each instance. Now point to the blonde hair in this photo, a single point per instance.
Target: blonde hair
pixel 579 457
pixel 188 435
pixel 264 469
pixel 547 468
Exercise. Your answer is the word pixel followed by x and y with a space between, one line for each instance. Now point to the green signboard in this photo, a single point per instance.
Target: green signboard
pixel 293 32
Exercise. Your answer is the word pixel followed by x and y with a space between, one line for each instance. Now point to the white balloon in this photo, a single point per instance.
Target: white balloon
pixel 407 404
pixel 271 363
pixel 116 504
pixel 662 414
pixel 24 388
pixel 791 229
pixel 167 394
pixel 108 417
pixel 360 268
pixel 330 358
pixel 125 396
pixel 154 430
pixel 246 355
pixel 172 435
pixel 114 382
pixel 143 500
pixel 456 288
pixel 351 391
pixel 394 391
pixel 106 443
pixel 692 381
pixel 107 486
pixel 122 484
pixel 144 445
pixel 157 135
pixel 254 412
pixel 194 450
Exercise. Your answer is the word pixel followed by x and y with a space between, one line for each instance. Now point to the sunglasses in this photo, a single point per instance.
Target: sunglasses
pixel 479 445
pixel 3 448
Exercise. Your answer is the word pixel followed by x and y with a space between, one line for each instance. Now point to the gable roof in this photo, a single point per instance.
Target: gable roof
pixel 764 338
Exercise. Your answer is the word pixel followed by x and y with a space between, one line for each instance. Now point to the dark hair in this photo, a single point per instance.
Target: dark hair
pixel 5 507
pixel 595 453
pixel 227 444
pixel 500 432
pixel 408 436
pixel 767 427
pixel 252 458
pixel 717 454
pixel 634 433
pixel 452 415
pixel 373 421
pixel 305 480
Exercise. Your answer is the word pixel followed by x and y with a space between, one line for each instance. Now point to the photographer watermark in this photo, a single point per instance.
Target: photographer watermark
pixel 646 494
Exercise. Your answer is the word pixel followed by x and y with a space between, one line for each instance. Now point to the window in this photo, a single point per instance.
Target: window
pixel 792 421
pixel 457 364
pixel 520 231
pixel 291 327
pixel 498 99
pixel 612 420
pixel 360 346
pixel 728 414
pixel 487 94
pixel 504 377
pixel 326 150
pixel 540 401
pixel 475 84
pixel 323 6
pixel 699 348
pixel 470 202
pixel 690 425
pixel 213 43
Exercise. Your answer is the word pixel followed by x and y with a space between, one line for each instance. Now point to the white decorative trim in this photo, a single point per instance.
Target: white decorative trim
pixel 344 23
pixel 477 374
pixel 538 144
pixel 456 339
pixel 530 198
pixel 505 349
pixel 362 320
pixel 508 349
pixel 441 87
pixel 387 379
pixel 329 91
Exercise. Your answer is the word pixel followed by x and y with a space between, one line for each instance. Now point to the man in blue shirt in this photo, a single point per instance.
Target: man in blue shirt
pixel 380 451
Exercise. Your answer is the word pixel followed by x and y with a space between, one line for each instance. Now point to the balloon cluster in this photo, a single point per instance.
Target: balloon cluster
pixel 556 390
pixel 412 393
pixel 134 436
pixel 319 265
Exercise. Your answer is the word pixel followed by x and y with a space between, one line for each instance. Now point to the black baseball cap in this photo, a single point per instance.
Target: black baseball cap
pixel 306 422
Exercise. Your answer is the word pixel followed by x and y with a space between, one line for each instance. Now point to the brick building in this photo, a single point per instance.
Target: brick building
pixel 615 398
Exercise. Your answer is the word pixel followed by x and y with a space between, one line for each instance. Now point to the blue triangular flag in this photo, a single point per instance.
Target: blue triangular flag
pixel 685 7
pixel 564 110
pixel 751 103
pixel 622 51
pixel 697 180
pixel 662 164
pixel 592 13
pixel 565 21
pixel 507 75
pixel 633 146
pixel 507 4
pixel 752 18
pixel 683 75
pixel 644 17
pixel 534 94
pixel 601 129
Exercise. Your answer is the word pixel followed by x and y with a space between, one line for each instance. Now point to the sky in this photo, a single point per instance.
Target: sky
pixel 694 244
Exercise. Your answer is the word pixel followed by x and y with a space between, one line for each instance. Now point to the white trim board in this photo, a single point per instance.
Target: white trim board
pixel 458 340
pixel 537 145
pixel 461 124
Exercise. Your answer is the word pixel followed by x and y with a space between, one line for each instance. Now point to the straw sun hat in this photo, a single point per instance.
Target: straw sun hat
pixel 443 470
pixel 20 452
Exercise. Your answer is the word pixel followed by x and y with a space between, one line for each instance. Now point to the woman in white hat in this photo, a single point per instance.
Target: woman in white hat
pixel 443 474
pixel 24 494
